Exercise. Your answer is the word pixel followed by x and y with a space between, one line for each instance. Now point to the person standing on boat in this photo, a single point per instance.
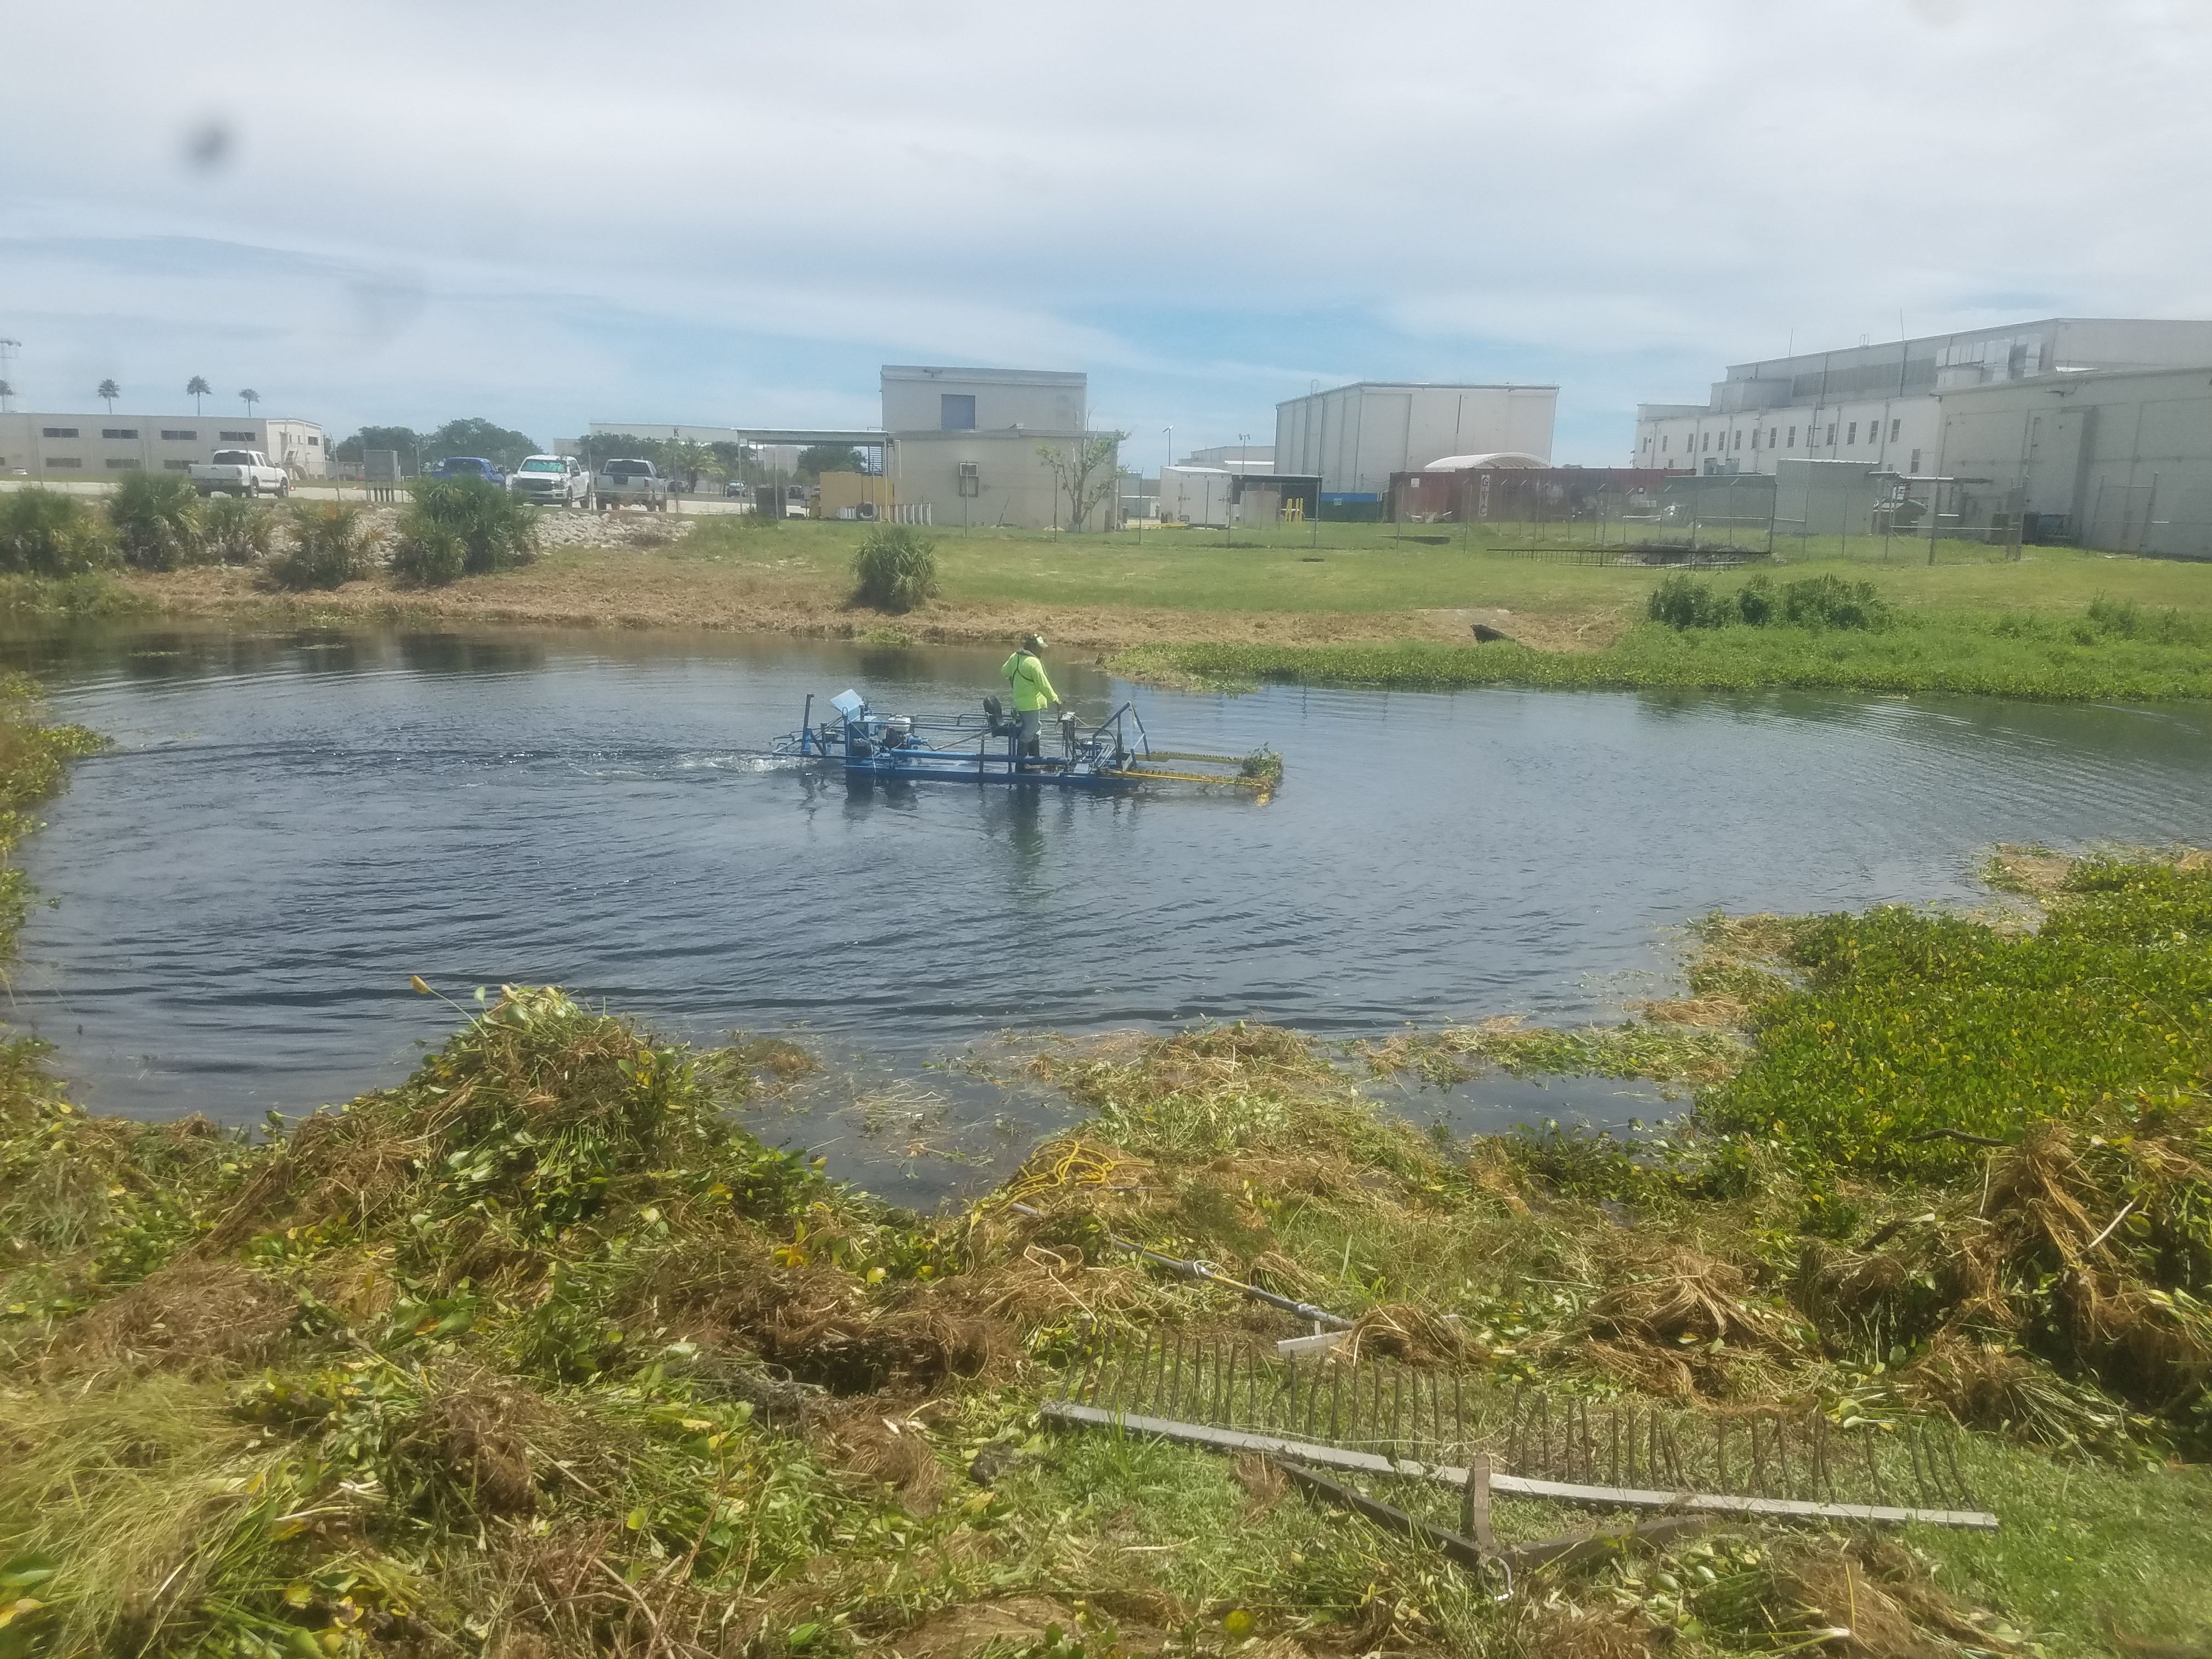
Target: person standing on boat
pixel 1025 673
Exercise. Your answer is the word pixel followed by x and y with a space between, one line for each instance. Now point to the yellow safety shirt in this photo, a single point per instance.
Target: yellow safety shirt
pixel 1026 675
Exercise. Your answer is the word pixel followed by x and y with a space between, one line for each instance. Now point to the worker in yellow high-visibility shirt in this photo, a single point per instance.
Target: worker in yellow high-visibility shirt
pixel 1032 690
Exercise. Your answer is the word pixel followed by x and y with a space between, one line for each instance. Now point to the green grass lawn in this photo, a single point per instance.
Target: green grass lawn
pixel 1365 569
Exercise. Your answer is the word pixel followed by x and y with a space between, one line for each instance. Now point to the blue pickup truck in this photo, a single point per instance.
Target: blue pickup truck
pixel 469 466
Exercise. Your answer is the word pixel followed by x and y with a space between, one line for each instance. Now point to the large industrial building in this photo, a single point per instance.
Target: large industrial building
pixel 2097 432
pixel 1882 404
pixel 1354 437
pixel 61 448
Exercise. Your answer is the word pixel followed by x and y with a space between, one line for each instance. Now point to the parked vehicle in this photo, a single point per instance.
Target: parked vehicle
pixel 737 489
pixel 240 472
pixel 630 484
pixel 797 502
pixel 547 479
pixel 469 466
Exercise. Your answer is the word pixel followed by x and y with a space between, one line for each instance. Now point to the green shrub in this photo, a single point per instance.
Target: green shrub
pixel 455 527
pixel 330 547
pixel 156 517
pixel 2116 616
pixel 1832 602
pixel 1682 602
pixel 427 555
pixel 896 568
pixel 234 530
pixel 44 532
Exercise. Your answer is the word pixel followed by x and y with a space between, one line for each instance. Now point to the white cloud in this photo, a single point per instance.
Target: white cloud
pixel 550 209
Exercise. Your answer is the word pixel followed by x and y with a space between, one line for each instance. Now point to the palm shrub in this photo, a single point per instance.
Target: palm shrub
pixel 44 532
pixel 234 530
pixel 455 527
pixel 894 569
pixel 329 548
pixel 156 517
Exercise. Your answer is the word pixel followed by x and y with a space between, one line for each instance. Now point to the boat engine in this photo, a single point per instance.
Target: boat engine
pixel 995 712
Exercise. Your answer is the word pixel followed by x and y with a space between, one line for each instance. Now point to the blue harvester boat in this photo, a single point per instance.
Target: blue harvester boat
pixel 984 747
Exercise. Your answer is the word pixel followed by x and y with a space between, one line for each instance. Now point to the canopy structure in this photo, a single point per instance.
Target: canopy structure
pixel 1495 460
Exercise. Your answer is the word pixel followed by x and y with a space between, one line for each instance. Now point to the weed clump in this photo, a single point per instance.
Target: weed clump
pixel 329 547
pixel 894 569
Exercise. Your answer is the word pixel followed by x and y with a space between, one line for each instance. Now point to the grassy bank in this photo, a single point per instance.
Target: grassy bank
pixel 2055 657
pixel 541 1352
pixel 2026 627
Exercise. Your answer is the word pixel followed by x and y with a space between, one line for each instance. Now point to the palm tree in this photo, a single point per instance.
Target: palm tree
pixel 250 398
pixel 108 392
pixel 197 388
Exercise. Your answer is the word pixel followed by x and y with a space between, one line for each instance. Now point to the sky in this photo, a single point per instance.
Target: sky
pixel 549 214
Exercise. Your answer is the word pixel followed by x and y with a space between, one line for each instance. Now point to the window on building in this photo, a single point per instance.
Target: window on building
pixel 1708 444
pixel 1739 440
pixel 1915 467
pixel 1663 442
pixel 237 437
pixel 178 435
pixel 1793 437
pixel 313 442
pixel 957 411
pixel 122 464
pixel 1772 433
pixel 59 431
pixel 1895 426
pixel 177 466
pixel 1832 435
pixel 64 460
pixel 1852 433
pixel 119 432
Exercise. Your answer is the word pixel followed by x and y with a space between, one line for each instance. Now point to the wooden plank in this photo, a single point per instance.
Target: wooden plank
pixel 1626 1498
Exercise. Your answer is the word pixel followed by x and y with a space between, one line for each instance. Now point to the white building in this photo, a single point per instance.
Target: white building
pixel 62 448
pixel 1883 404
pixel 964 444
pixel 1355 436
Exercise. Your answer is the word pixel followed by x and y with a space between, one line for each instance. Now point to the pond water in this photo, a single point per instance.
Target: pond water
pixel 291 824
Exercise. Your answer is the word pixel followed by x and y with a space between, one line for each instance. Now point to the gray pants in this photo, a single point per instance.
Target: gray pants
pixel 1032 721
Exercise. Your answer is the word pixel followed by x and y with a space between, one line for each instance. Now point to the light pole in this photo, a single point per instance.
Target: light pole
pixel 1166 461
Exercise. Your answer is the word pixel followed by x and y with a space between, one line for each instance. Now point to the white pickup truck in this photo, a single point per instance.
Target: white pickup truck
pixel 240 472
pixel 630 484
pixel 551 480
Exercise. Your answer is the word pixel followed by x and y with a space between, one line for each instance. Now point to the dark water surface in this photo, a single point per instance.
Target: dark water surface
pixel 293 824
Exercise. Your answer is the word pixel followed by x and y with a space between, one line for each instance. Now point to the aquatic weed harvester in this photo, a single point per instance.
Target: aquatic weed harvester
pixel 985 746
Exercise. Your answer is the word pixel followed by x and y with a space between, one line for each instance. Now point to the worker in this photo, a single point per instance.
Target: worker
pixel 1032 690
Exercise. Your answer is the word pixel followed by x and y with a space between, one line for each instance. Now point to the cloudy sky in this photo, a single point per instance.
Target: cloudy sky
pixel 547 213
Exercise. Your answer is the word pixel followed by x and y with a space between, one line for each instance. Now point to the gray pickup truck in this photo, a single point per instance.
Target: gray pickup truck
pixel 630 484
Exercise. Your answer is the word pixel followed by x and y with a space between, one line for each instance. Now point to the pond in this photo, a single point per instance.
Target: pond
pixel 292 823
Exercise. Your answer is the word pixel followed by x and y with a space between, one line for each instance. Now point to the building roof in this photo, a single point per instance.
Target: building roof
pixel 1494 460
pixel 1011 376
